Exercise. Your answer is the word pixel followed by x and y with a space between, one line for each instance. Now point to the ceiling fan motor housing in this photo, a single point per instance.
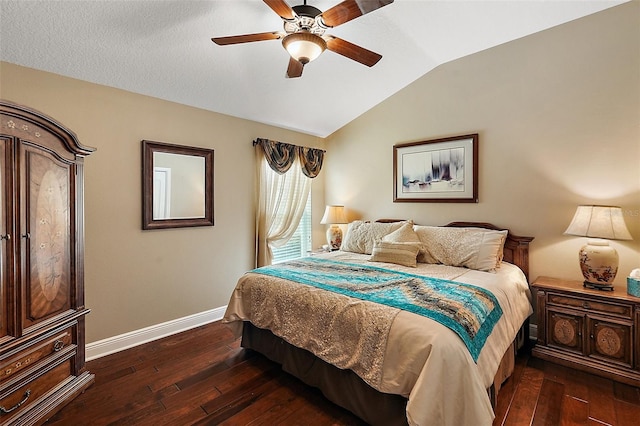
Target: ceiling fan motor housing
pixel 306 10
pixel 307 19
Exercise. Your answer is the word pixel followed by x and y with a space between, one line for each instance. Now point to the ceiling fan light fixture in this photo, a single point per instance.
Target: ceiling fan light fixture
pixel 304 46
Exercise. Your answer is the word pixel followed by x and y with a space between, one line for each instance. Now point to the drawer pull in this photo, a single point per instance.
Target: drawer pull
pixel 27 394
pixel 58 345
pixel 5 237
pixel 586 305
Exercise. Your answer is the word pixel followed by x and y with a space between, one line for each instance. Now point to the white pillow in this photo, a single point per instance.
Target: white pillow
pixel 473 248
pixel 361 236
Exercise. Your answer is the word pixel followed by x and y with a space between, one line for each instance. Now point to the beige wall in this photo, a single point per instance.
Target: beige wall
pixel 136 278
pixel 558 114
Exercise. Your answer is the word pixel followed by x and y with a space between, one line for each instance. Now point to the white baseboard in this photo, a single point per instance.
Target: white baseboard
pixel 137 337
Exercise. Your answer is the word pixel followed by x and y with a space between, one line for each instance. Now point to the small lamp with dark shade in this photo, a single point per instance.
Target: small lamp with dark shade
pixel 598 260
pixel 334 216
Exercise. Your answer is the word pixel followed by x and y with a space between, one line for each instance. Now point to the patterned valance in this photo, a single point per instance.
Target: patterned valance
pixel 281 156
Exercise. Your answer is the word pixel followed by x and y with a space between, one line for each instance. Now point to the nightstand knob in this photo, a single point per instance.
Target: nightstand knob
pixel 591 336
pixel 586 305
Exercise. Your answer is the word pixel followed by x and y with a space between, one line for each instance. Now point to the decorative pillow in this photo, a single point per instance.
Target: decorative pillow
pixel 404 234
pixel 473 248
pixel 398 253
pixel 362 235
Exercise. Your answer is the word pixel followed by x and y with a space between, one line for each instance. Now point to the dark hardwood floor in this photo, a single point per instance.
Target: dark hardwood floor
pixel 203 377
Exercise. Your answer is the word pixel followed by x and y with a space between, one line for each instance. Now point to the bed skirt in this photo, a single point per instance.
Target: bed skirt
pixel 344 387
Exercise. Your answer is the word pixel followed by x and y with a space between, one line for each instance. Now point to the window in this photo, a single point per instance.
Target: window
pixel 300 242
pixel 285 173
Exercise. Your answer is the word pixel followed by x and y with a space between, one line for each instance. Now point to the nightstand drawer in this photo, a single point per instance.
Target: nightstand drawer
pixel 19 398
pixel 591 305
pixel 31 355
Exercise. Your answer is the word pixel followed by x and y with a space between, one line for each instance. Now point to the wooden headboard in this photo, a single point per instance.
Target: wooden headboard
pixel 516 248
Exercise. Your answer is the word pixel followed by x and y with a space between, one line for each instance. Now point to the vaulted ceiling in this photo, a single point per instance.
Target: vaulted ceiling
pixel 163 48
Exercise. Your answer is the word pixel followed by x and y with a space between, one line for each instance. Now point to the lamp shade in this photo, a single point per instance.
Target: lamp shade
pixel 598 261
pixel 333 215
pixel 304 46
pixel 599 222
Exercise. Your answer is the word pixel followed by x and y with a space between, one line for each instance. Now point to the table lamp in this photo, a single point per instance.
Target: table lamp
pixel 334 215
pixel 598 260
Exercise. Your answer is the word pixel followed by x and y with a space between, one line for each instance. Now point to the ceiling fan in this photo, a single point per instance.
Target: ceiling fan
pixel 304 35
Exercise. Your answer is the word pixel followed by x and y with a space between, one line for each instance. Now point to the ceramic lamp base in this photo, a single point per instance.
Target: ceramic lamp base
pixel 334 237
pixel 599 264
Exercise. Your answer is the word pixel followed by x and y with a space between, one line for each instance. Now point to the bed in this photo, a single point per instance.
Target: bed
pixel 369 327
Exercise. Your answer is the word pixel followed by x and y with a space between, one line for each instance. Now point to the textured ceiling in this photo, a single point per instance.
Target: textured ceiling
pixel 163 48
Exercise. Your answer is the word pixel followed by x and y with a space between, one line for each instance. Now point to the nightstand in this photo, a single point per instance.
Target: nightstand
pixel 589 330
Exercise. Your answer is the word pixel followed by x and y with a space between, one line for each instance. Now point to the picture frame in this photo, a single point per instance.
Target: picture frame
pixel 441 170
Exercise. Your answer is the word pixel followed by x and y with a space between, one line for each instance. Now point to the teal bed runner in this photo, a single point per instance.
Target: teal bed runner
pixel 470 311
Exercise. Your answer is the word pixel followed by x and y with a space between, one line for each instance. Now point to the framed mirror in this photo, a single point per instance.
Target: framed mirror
pixel 177 186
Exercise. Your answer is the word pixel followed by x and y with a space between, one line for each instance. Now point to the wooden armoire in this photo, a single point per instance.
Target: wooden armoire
pixel 42 312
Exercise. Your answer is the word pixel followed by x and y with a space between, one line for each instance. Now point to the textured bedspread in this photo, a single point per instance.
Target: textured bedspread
pixel 420 359
pixel 470 311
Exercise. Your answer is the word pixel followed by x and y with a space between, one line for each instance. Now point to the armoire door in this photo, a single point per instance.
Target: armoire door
pixel 6 241
pixel 47 227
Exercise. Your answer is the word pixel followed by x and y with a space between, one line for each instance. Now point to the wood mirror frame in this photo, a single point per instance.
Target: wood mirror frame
pixel 149 149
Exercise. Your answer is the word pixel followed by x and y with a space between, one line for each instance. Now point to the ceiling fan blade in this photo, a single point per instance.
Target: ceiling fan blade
pixel 350 9
pixel 352 51
pixel 295 68
pixel 281 8
pixel 246 38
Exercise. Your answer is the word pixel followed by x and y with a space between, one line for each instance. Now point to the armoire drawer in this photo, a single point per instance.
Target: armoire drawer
pixel 19 398
pixel 44 349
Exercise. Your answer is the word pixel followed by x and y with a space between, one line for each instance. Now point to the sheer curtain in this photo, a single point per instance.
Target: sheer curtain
pixel 284 174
